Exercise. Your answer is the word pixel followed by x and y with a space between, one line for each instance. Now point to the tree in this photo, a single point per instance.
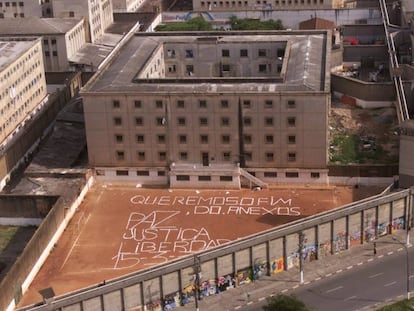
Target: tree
pixel 194 24
pixel 284 303
pixel 255 24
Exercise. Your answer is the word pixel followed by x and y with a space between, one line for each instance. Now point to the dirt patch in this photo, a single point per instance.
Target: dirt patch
pixel 365 136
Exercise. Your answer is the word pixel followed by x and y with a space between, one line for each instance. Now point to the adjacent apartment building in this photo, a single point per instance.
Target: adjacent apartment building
pixel 212 109
pixel 22 83
pixel 19 9
pixel 62 38
pixel 98 14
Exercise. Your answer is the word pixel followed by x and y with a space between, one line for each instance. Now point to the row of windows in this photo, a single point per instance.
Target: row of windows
pixel 204 121
pixel 202 103
pixel 14 14
pixel 21 64
pixel 204 139
pixel 183 156
pixel 208 178
pixel 188 53
pixel 260 4
pixel 13 4
pixel 189 69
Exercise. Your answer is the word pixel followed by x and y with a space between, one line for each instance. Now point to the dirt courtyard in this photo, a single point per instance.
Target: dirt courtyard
pixel 121 229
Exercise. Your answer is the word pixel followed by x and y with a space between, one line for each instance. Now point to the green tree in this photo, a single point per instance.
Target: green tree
pixel 194 24
pixel 285 303
pixel 255 24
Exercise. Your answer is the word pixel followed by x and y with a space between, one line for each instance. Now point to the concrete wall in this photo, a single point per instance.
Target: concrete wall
pixel 356 53
pixel 25 206
pixel 242 261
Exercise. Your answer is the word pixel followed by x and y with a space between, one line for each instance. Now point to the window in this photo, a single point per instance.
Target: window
pixel 291 104
pixel 180 104
pixel 269 121
pixel 53 41
pixel 121 173
pixel 291 139
pixel 189 69
pixel 203 121
pixel 248 156
pixel 181 121
pixel 137 104
pixel 189 53
pixel 158 104
pixel 268 104
pixel 162 155
pixel 243 53
pixel 202 104
pixel 280 53
pixel 141 155
pixel 139 121
pixel 54 53
pixel 226 156
pixel 182 139
pixel 183 177
pixel 225 67
pixel 224 104
pixel 315 175
pixel 117 121
pixel 7 3
pixel 292 156
pixel 116 104
pixel 262 53
pixel 119 138
pixel 226 178
pixel 269 139
pixel 225 139
pixel 204 139
pixel 183 155
pixel 161 173
pixel 225 121
pixel 247 139
pixel 170 53
pixel 161 139
pixel 225 53
pixel 292 174
pixel 140 139
pixel 247 121
pixel 160 121
pixel 270 174
pixel 142 173
pixel 47 53
pixel 246 104
pixel 269 156
pixel 21 3
pixel 291 121
pixel 120 155
pixel 262 68
pixel 172 68
pixel 204 178
pixel 71 14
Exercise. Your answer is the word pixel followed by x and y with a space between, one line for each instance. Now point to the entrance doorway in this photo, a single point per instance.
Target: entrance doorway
pixel 204 156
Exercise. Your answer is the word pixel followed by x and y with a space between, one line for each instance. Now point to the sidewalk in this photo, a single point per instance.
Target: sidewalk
pixel 284 282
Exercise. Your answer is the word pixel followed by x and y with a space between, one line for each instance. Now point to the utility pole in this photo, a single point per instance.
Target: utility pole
pixel 197 272
pixel 301 245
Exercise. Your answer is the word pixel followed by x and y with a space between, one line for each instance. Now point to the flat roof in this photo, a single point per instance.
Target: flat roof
pixel 36 25
pixel 11 50
pixel 307 64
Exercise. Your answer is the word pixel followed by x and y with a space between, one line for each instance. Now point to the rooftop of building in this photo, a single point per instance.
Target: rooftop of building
pixel 306 63
pixel 12 50
pixel 36 25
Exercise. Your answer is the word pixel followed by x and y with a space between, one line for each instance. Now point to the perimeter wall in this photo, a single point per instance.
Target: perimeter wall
pixel 244 260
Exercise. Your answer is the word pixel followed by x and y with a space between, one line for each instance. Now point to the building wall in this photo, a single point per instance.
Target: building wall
pixel 219 5
pixel 126 5
pixel 153 130
pixel 406 169
pixel 22 87
pixel 75 39
pixel 19 9
pixel 55 52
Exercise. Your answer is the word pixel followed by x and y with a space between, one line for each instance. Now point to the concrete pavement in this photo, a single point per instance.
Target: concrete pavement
pixel 286 281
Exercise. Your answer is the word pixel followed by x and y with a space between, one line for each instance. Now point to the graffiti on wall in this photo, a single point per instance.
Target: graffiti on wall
pixel 340 242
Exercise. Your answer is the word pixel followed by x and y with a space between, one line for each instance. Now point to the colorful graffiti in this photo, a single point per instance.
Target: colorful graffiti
pixel 278 265
pixel 340 242
pixel 293 260
pixel 244 276
pixel 324 249
pixel 398 223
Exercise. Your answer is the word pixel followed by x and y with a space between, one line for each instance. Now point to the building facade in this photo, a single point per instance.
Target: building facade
pixel 61 37
pixel 19 9
pixel 251 5
pixel 126 5
pixel 98 14
pixel 211 107
pixel 22 83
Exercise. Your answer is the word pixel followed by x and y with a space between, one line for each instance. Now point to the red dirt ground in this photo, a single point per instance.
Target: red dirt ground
pixel 122 229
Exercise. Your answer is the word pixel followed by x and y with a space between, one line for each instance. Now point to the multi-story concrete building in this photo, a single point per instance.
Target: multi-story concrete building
pixel 248 5
pixel 98 14
pixel 126 5
pixel 21 8
pixel 22 82
pixel 61 37
pixel 208 107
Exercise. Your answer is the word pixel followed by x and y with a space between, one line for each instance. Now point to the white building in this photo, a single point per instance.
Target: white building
pixel 127 5
pixel 21 8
